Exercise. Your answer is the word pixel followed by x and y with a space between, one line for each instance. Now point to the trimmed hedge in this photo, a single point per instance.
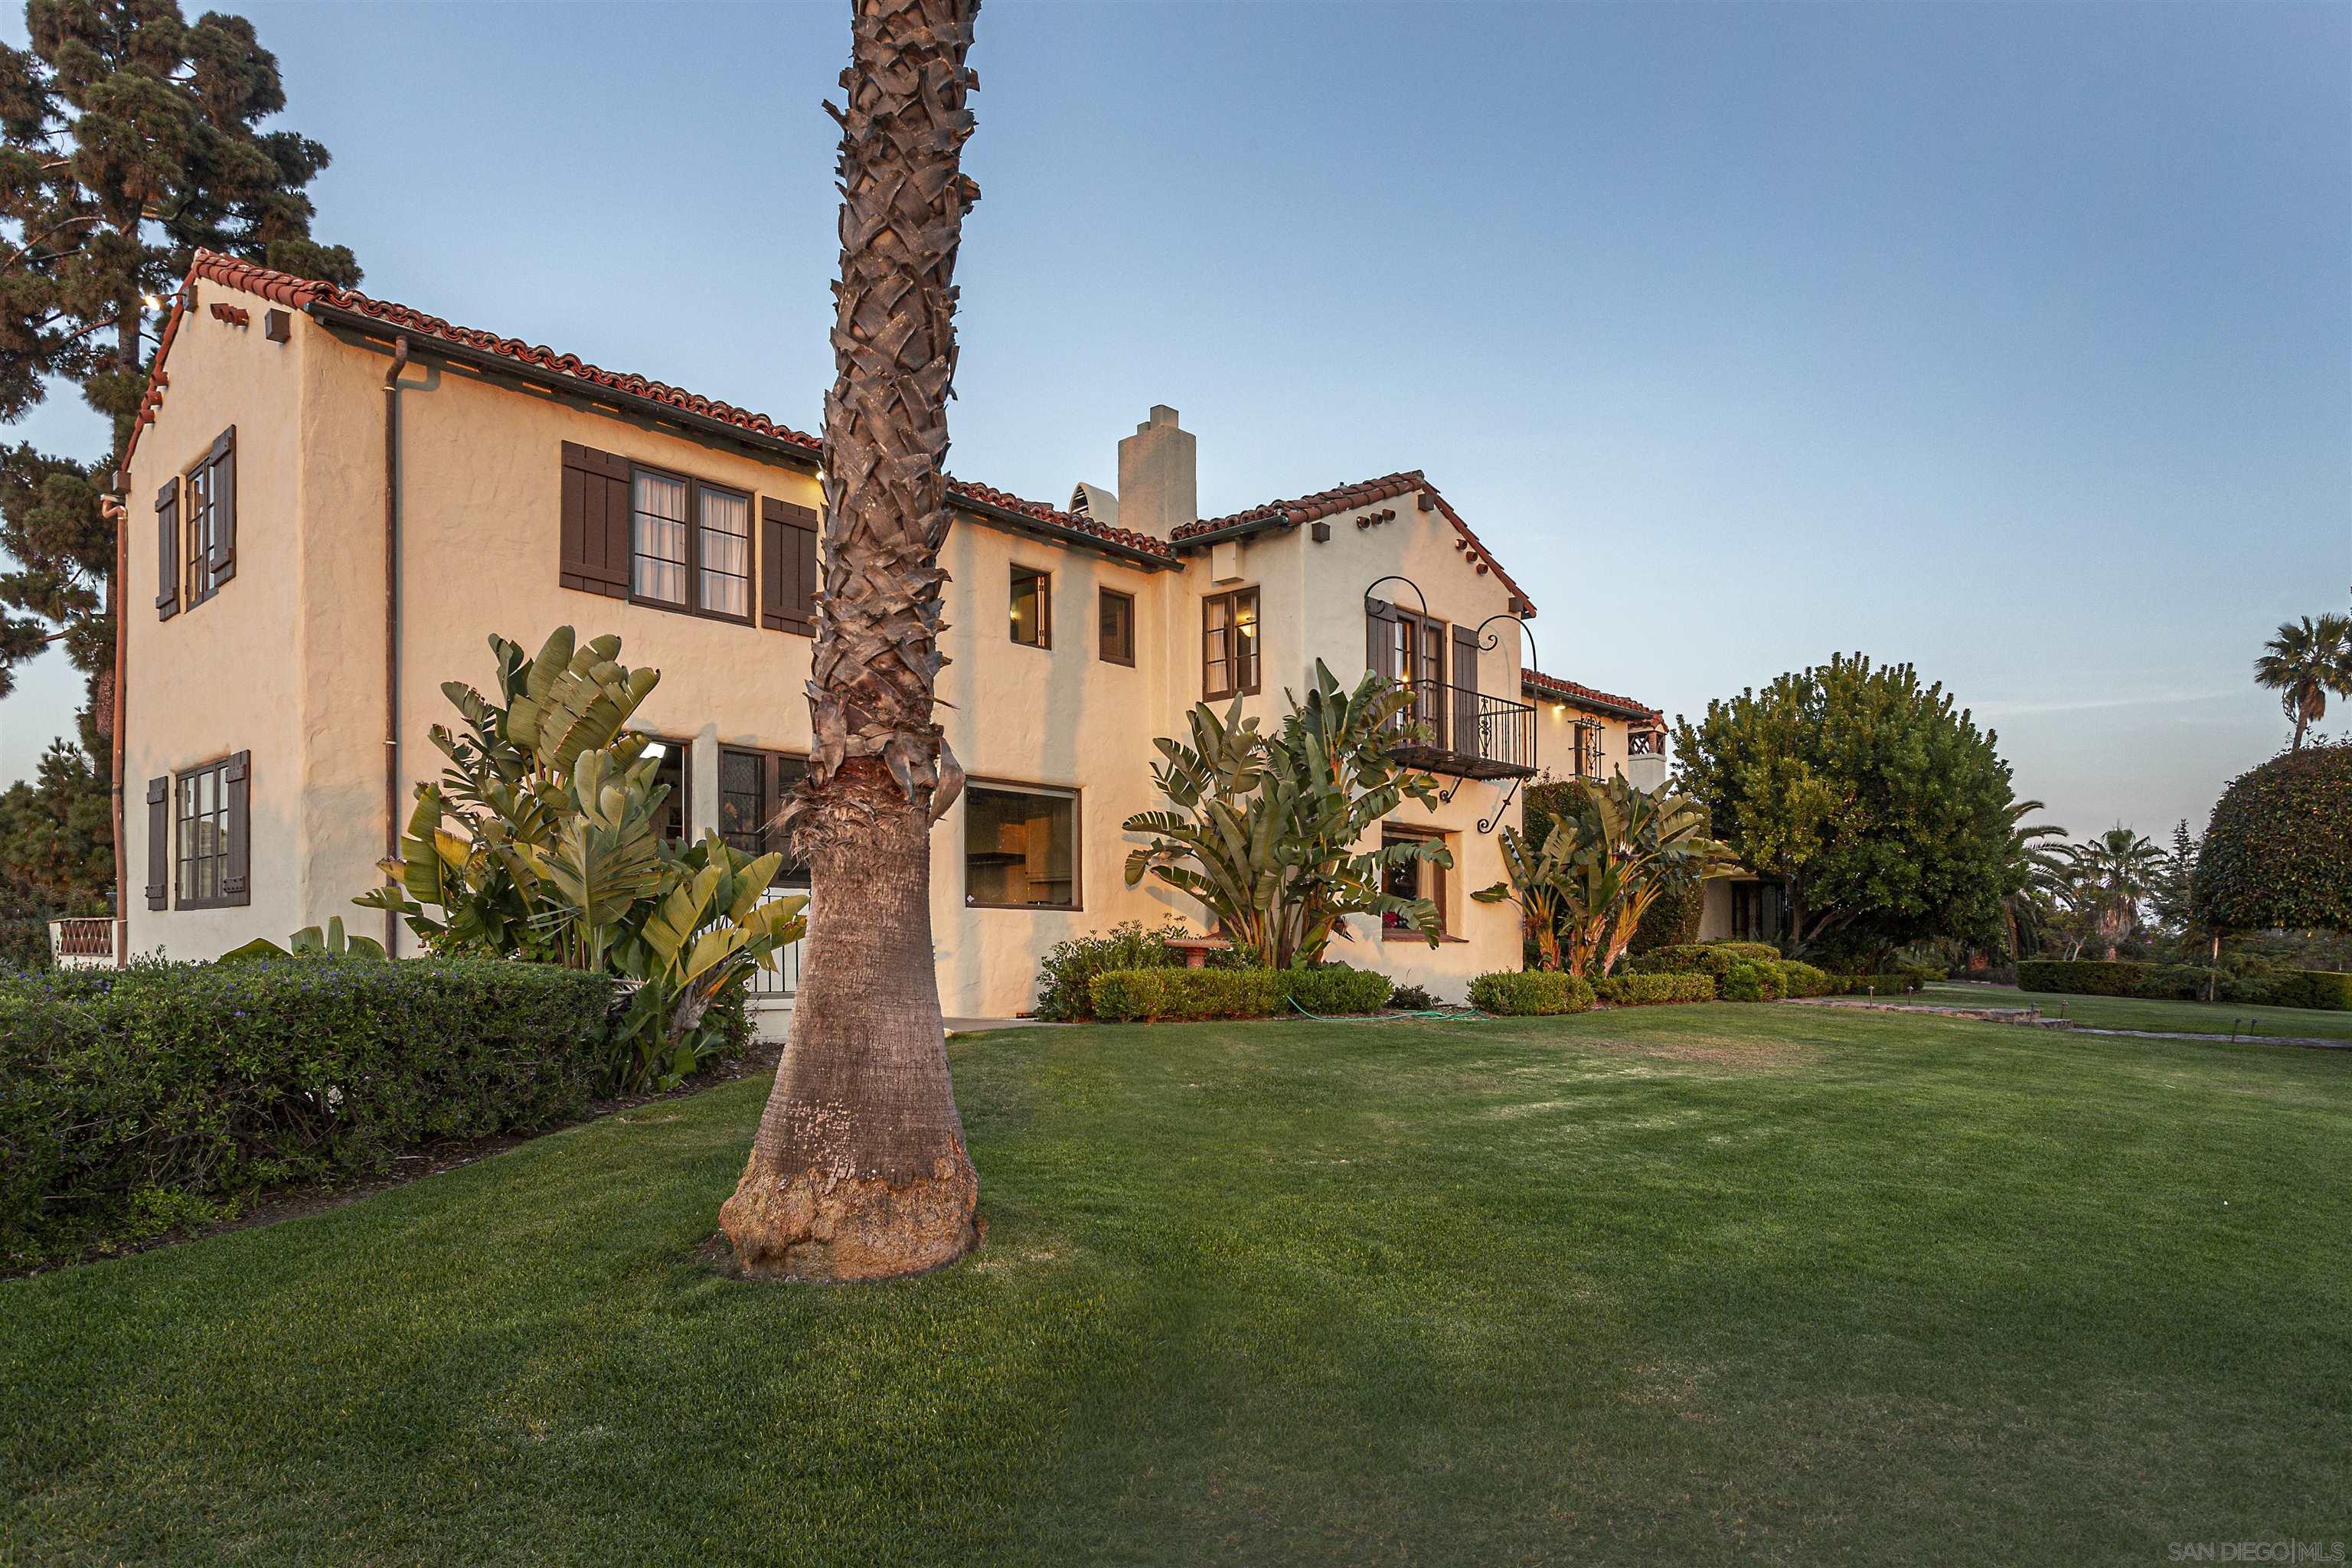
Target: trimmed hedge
pixel 1172 995
pixel 1526 993
pixel 2325 990
pixel 1653 989
pixel 138 1101
pixel 2277 854
pixel 1747 981
pixel 1798 978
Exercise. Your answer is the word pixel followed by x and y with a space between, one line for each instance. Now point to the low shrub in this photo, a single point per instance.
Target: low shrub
pixel 1523 993
pixel 1797 979
pixel 1334 990
pixel 1065 979
pixel 1653 990
pixel 1711 958
pixel 2320 988
pixel 1178 995
pixel 135 1101
pixel 2081 977
pixel 1752 981
pixel 1412 999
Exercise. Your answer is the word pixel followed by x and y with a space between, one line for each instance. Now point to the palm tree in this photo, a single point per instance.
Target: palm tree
pixel 859 1170
pixel 2306 661
pixel 2034 867
pixel 2118 871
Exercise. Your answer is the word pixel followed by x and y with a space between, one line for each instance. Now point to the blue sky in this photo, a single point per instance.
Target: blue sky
pixel 2015 342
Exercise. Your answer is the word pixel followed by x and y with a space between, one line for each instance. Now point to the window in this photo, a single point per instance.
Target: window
pixel 202 506
pixel 1020 848
pixel 671 759
pixel 726 551
pixel 208 824
pixel 1411 879
pixel 1032 607
pixel 684 533
pixel 751 790
pixel 1116 612
pixel 196 577
pixel 1229 651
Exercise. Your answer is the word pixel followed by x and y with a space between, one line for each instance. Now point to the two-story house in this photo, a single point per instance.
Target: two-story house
pixel 334 501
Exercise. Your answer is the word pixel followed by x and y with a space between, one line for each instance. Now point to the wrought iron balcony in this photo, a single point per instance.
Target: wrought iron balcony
pixel 1467 733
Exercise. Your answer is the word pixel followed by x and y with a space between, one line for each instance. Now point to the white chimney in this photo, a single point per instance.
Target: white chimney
pixel 1159 476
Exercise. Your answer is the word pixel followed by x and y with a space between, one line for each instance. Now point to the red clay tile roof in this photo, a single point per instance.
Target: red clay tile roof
pixel 1570 691
pixel 1348 497
pixel 301 293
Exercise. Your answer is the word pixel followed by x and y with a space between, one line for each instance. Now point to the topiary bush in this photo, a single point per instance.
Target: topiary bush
pixel 1653 989
pixel 1797 979
pixel 2278 851
pixel 1334 990
pixel 138 1100
pixel 1751 981
pixel 1180 996
pixel 1530 992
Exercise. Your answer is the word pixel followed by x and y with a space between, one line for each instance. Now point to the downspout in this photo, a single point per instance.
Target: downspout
pixel 392 623
pixel 122 662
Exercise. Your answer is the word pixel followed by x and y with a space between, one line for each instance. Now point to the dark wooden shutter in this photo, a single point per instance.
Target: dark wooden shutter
pixel 167 542
pixel 595 554
pixel 1465 684
pixel 222 463
pixel 234 778
pixel 1380 638
pixel 159 843
pixel 788 583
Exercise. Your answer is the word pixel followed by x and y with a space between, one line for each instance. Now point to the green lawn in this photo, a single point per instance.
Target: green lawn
pixel 1687 1284
pixel 2129 1013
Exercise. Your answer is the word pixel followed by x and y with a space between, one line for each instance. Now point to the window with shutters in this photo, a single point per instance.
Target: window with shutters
pixel 689 545
pixel 1229 645
pixel 752 789
pixel 204 507
pixel 1032 607
pixel 1116 614
pixel 209 821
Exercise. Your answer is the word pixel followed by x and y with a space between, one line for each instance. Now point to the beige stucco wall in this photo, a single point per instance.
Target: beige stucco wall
pixel 295 675
pixel 225 676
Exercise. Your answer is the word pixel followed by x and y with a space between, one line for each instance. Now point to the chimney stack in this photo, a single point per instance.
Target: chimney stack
pixel 1159 476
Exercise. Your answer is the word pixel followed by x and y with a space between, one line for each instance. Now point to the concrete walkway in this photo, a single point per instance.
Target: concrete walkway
pixel 982 1025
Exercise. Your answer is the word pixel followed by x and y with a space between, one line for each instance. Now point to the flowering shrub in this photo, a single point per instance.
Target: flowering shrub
pixel 136 1101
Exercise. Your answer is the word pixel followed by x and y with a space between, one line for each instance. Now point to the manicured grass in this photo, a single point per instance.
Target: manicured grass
pixel 2130 1013
pixel 1679 1284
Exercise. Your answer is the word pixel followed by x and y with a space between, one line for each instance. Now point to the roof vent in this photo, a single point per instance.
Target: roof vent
pixel 1095 503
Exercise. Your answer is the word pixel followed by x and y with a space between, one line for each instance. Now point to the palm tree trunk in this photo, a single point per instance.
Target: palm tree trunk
pixel 859 1170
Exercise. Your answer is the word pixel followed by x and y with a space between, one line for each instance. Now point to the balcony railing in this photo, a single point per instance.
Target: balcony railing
pixel 1468 733
pixel 83 941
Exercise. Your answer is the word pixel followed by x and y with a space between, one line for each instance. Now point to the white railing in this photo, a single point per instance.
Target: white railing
pixel 782 982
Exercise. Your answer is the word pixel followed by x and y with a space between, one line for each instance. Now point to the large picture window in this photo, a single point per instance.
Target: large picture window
pixel 687 538
pixel 1229 648
pixel 1020 848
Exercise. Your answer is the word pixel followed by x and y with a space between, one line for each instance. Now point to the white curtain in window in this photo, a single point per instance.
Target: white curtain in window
pixel 657 550
pixel 726 554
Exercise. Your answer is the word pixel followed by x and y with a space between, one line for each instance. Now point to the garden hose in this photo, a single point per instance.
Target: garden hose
pixel 1438 1015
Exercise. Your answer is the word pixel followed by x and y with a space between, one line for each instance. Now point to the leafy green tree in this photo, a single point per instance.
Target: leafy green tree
pixel 2305 663
pixel 56 837
pixel 1876 802
pixel 2277 855
pixel 128 137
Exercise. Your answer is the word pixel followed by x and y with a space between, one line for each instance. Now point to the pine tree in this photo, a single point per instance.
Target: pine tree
pixel 128 138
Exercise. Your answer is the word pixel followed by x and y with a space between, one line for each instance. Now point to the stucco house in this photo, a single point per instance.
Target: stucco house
pixel 333 500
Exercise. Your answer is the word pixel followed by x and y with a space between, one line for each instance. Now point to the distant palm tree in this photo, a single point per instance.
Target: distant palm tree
pixel 2304 664
pixel 2033 868
pixel 2119 870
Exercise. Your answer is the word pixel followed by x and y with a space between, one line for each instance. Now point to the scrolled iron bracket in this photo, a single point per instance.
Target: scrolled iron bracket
pixel 1486 825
